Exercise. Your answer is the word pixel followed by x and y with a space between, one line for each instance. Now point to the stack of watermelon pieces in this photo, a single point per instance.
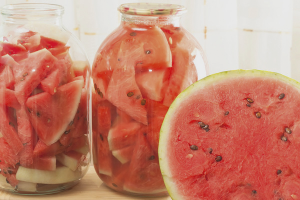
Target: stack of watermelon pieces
pixel 137 72
pixel 43 109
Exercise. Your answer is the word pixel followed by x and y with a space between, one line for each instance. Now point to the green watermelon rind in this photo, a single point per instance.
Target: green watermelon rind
pixel 183 96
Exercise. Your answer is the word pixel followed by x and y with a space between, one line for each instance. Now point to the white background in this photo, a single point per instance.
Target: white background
pixel 245 34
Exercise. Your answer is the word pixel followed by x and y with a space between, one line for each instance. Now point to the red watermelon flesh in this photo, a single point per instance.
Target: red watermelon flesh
pixel 104 156
pixel 181 77
pixel 151 46
pixel 249 148
pixel 44 163
pixel 101 82
pixel 104 119
pixel 51 83
pixel 50 115
pixel 8 130
pixel 152 131
pixel 25 132
pixel 7 154
pixel 123 116
pixel 7 78
pixel 17 52
pixel 12 180
pixel 124 93
pixel 173 34
pixel 78 143
pixel 153 84
pixel 156 108
pixel 144 173
pixel 124 154
pixel 41 149
pixel 123 134
pixel 8 98
pixel 45 42
pixel 31 72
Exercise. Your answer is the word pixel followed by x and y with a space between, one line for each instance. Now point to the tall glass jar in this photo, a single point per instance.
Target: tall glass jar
pixel 44 102
pixel 138 71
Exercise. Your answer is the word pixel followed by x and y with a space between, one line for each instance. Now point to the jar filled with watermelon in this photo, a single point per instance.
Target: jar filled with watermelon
pixel 44 102
pixel 138 71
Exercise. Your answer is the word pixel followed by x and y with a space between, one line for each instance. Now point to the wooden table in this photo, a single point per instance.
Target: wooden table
pixel 89 188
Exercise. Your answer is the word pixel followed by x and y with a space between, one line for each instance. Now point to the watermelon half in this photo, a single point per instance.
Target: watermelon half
pixel 233 135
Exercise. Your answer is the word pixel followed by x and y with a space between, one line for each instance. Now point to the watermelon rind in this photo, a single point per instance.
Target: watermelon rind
pixel 60 175
pixel 187 94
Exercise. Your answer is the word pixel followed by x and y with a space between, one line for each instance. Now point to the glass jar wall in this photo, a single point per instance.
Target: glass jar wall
pixel 138 71
pixel 44 102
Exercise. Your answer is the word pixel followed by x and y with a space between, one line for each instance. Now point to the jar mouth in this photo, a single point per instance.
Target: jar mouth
pixel 32 9
pixel 151 9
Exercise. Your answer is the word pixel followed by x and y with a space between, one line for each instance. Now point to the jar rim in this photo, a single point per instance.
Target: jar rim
pixel 32 8
pixel 151 9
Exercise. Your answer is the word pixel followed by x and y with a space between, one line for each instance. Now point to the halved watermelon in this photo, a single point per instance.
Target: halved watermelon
pixel 51 114
pixel 124 93
pixel 31 72
pixel 181 77
pixel 233 135
pixel 144 173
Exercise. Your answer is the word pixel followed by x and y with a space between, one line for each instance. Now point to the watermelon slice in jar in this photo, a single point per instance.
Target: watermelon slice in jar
pixel 233 135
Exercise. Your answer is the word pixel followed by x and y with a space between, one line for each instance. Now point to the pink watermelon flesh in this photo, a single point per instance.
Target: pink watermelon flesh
pixel 144 172
pixel 31 72
pixel 104 156
pixel 44 163
pixel 123 134
pixel 41 149
pixel 8 130
pixel 50 115
pixel 50 83
pixel 25 132
pixel 7 155
pixel 8 98
pixel 181 77
pixel 104 119
pixel 153 84
pixel 250 147
pixel 7 64
pixel 124 93
pixel 17 52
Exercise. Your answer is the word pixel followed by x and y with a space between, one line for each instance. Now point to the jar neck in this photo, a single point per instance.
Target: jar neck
pixel 32 13
pixel 158 20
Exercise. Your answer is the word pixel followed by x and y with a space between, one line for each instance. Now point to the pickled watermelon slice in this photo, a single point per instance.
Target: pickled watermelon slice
pixel 233 135
pixel 50 115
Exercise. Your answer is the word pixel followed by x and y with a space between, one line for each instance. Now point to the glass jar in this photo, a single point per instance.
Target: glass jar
pixel 138 71
pixel 44 102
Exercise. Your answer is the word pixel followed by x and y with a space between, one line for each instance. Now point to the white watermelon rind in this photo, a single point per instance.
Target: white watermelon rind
pixel 186 94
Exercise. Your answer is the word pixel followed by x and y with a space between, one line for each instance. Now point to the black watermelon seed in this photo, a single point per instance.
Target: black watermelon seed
pixel 248 105
pixel 38 114
pixel 101 137
pixel 138 97
pixel 258 115
pixel 226 113
pixel 119 59
pixel 22 79
pixel 281 96
pixel 115 185
pixel 283 138
pixel 7 181
pixel 25 74
pixel 95 86
pixel 152 158
pixel 143 102
pixel 210 150
pixel 207 129
pixel 148 52
pixel 279 172
pixel 67 132
pixel 11 124
pixel 250 100
pixel 218 158
pixel 101 94
pixel 130 94
pixel 194 147
pixel 133 34
pixel 254 192
pixel 201 124
pixel 288 130
pixel 71 123
pixel 29 110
